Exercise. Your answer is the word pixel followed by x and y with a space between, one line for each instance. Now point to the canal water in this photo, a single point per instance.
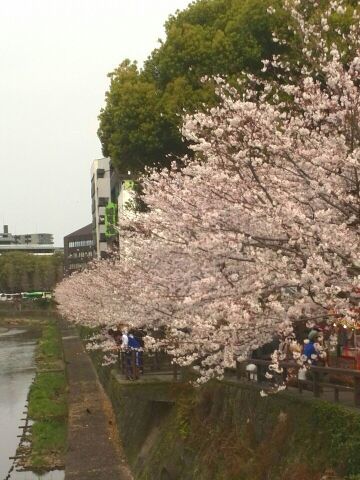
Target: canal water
pixel 17 371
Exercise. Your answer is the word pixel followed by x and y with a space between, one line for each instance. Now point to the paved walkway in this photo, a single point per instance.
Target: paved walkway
pixel 94 451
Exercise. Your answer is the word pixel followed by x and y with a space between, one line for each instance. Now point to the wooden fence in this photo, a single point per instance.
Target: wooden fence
pixel 134 363
pixel 317 378
pixel 334 381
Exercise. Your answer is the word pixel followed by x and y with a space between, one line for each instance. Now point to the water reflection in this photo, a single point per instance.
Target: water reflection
pixel 55 475
pixel 17 369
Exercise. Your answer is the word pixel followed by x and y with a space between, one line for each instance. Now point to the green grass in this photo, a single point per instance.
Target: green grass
pixel 47 397
pixel 47 403
pixel 49 353
pixel 48 444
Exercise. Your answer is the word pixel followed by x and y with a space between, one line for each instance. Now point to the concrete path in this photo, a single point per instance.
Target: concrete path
pixel 94 451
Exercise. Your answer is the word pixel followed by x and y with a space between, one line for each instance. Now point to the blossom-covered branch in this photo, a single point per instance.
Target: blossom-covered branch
pixel 260 230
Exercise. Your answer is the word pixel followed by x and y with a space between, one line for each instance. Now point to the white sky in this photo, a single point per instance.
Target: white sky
pixel 54 58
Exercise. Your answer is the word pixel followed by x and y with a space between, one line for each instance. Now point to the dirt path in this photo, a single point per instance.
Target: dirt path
pixel 94 452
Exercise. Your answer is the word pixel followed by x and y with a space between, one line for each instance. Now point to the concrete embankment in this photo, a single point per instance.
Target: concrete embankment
pixel 94 451
pixel 227 431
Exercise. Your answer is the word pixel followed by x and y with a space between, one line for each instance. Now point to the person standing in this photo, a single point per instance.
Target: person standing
pixel 310 350
pixel 124 340
pixel 134 349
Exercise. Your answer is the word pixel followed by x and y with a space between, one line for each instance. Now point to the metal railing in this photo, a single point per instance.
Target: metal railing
pixel 133 364
pixel 320 381
pixel 317 378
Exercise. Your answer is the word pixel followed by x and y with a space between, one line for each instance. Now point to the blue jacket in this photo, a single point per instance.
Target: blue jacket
pixel 133 343
pixel 309 350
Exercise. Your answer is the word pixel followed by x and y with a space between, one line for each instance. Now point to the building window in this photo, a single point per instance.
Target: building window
pixel 81 243
pixel 103 201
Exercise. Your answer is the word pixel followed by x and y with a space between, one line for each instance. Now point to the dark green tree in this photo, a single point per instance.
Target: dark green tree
pixel 140 123
pixel 21 272
pixel 134 131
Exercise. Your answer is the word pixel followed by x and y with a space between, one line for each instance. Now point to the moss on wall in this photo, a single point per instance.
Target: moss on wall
pixel 225 431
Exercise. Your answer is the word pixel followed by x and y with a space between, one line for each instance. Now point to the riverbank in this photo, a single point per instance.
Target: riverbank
pixel 26 316
pixel 91 449
pixel 17 371
pixel 43 446
pixel 8 321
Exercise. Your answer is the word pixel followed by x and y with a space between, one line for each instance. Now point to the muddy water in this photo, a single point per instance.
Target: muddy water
pixel 17 370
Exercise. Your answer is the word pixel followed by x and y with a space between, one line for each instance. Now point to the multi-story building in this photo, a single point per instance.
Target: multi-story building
pixel 6 238
pixel 110 193
pixel 100 197
pixel 27 242
pixel 34 239
pixel 78 249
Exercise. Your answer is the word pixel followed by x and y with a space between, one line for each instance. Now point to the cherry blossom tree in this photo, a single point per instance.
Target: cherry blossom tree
pixel 261 230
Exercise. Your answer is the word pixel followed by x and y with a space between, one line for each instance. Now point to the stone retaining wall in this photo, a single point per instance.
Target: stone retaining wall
pixel 225 431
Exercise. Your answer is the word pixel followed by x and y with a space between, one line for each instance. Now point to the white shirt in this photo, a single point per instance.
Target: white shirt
pixel 124 340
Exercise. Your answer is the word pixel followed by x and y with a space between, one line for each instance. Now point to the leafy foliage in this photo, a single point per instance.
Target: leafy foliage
pixel 140 123
pixel 23 272
pixel 133 129
pixel 257 232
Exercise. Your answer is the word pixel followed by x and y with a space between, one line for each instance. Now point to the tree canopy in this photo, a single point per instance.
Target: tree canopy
pixel 23 272
pixel 261 228
pixel 139 124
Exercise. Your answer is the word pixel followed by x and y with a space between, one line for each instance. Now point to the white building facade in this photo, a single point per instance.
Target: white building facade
pixel 100 196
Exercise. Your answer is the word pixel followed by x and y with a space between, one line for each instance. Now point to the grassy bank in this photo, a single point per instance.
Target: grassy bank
pixel 47 404
pixel 23 320
pixel 27 307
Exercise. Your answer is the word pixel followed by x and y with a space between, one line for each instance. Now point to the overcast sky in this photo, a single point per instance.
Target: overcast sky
pixel 54 58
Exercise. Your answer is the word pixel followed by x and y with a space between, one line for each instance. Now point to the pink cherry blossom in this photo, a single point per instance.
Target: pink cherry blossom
pixel 259 231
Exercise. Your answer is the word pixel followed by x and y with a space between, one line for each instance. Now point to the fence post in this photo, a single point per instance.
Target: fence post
pixel 123 363
pixel 237 370
pixel 175 371
pixel 316 386
pixel 357 391
pixel 156 361
pixel 133 364
pixel 119 362
pixel 300 386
